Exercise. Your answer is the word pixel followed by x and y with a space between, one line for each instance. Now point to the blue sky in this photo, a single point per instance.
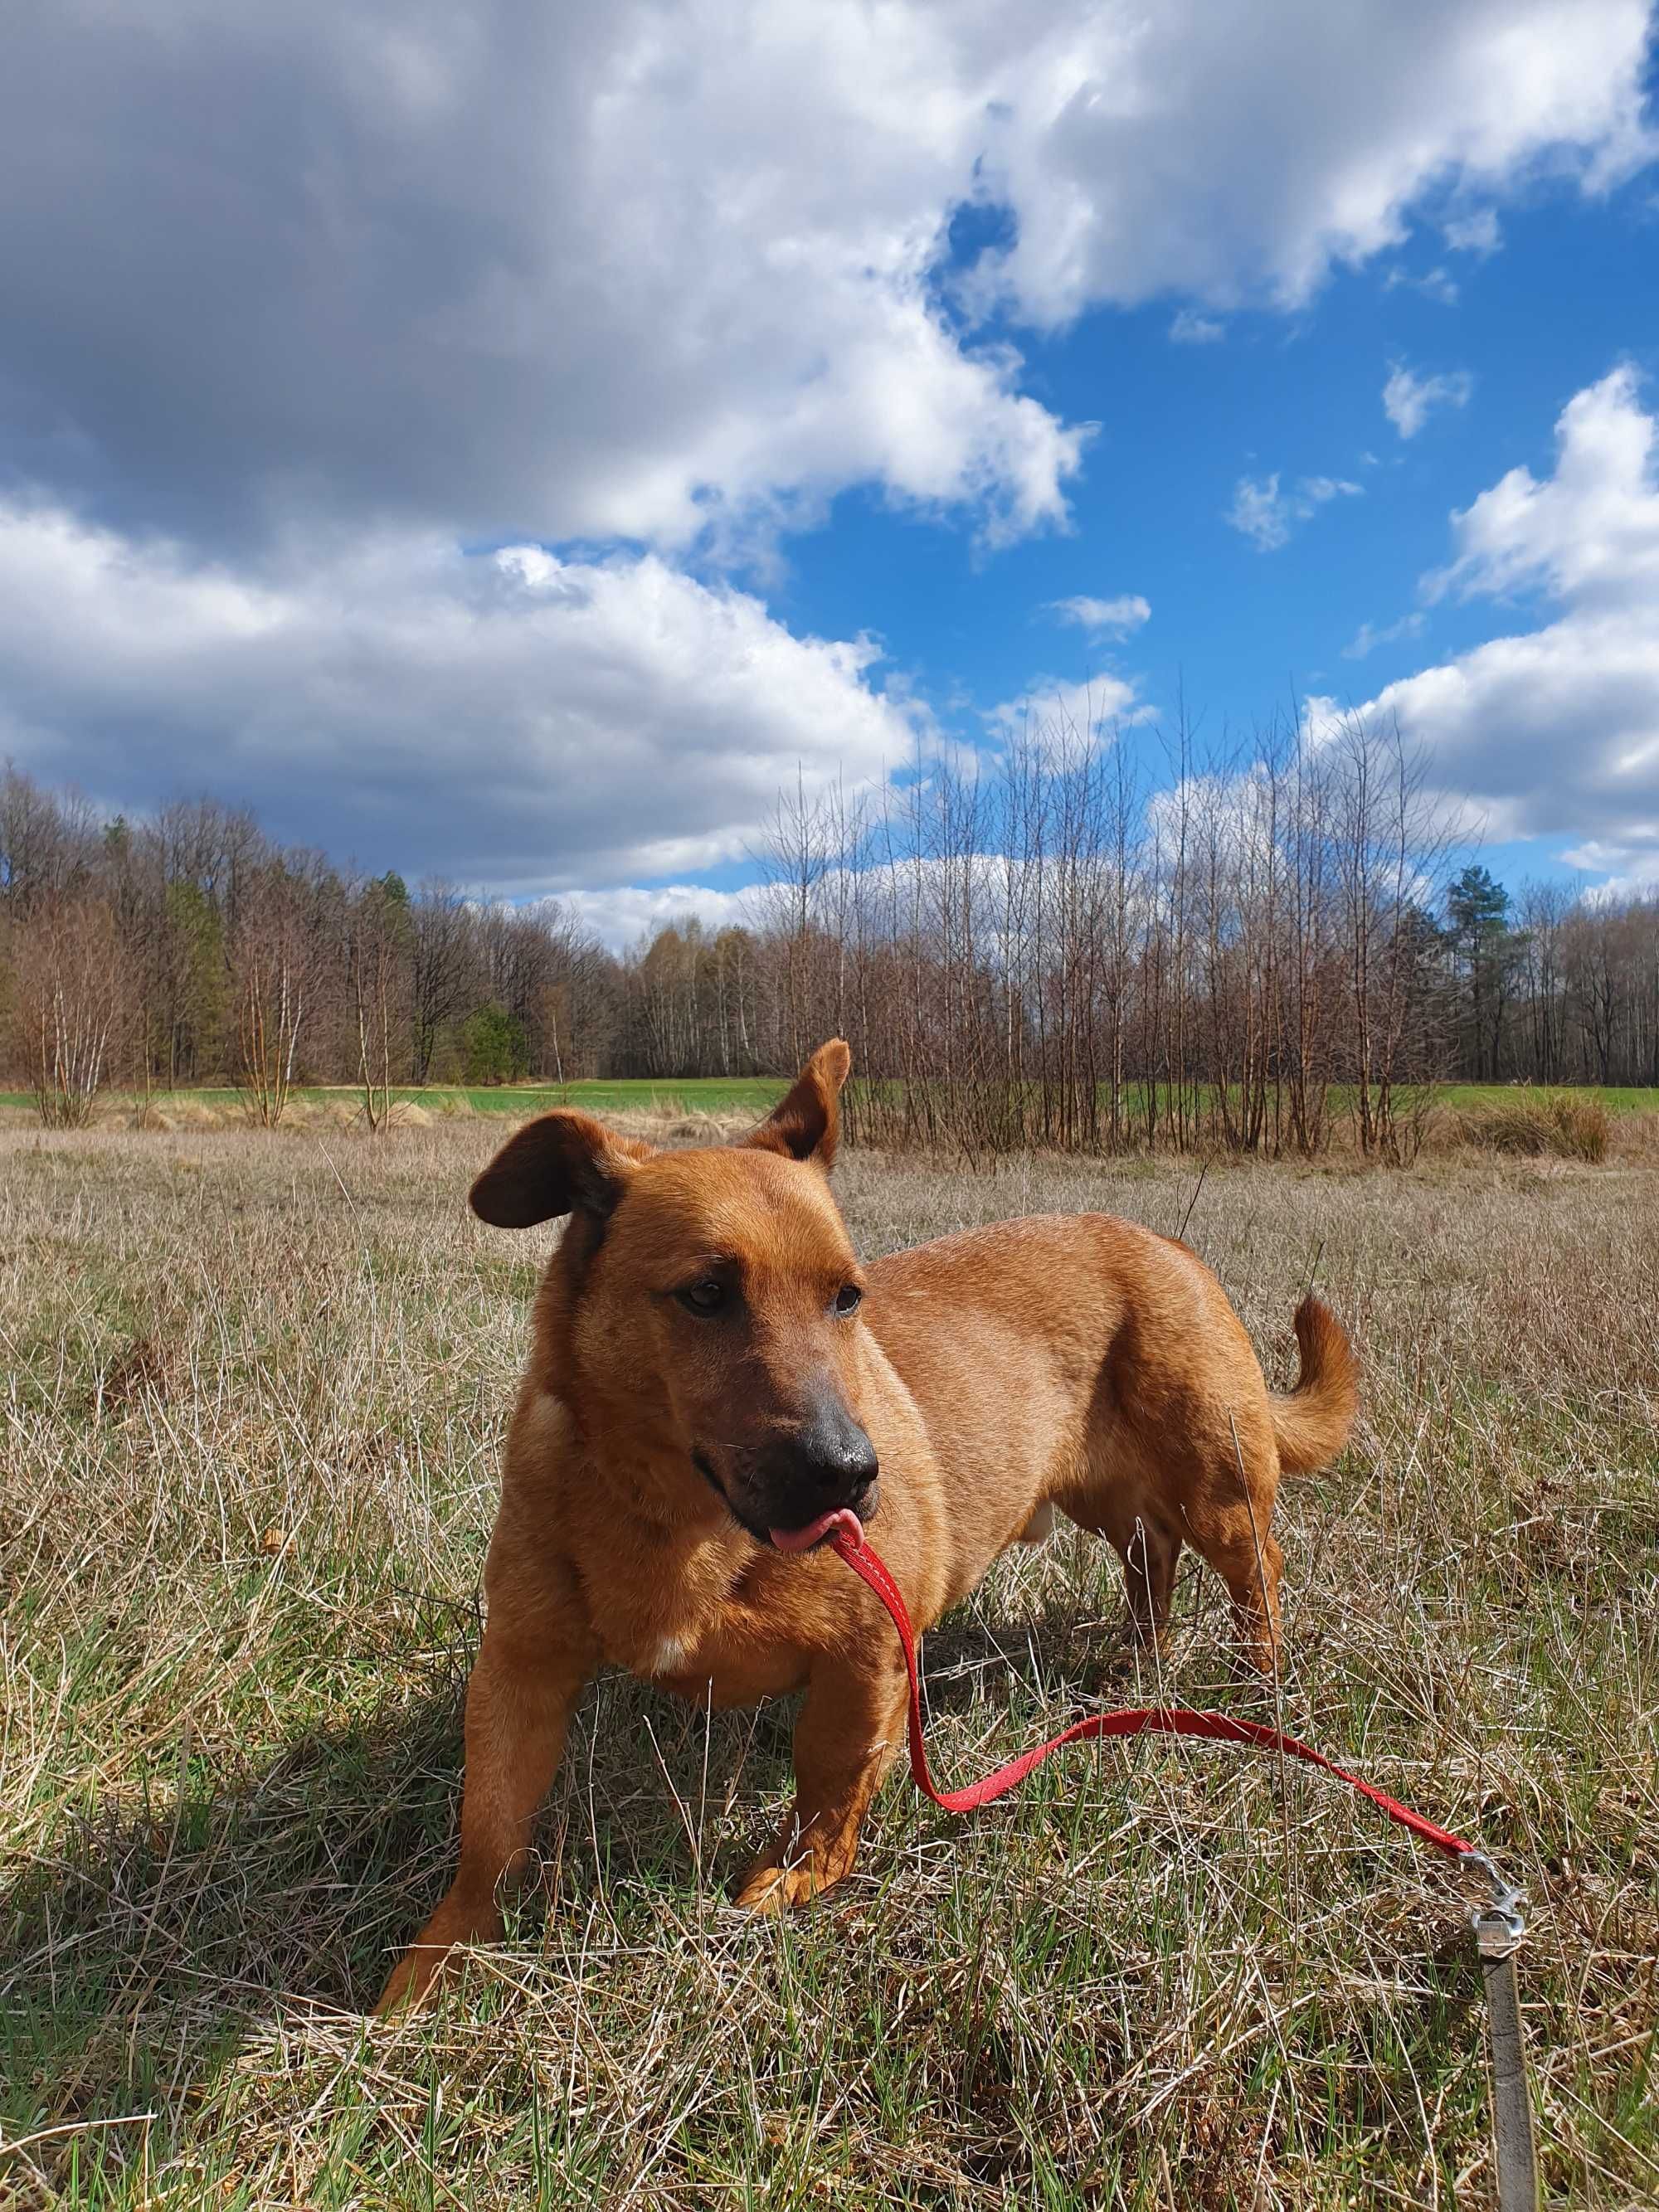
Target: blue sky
pixel 509 444
pixel 1572 292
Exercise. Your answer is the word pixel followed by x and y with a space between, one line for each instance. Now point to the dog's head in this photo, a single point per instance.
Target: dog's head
pixel 718 1289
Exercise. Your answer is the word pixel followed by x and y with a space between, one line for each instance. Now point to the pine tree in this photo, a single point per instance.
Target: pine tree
pixel 1487 950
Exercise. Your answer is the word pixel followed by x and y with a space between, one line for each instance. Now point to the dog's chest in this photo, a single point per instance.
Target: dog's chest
pixel 660 1615
pixel 687 1625
pixel 669 1654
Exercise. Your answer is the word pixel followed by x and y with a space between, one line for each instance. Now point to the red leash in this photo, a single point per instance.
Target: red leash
pixel 848 1539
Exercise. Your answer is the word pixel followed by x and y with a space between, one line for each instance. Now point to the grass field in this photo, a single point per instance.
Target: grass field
pixel 256 1389
pixel 705 1094
pixel 737 1094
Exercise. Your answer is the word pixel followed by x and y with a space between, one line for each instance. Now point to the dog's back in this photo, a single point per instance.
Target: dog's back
pixel 1085 1361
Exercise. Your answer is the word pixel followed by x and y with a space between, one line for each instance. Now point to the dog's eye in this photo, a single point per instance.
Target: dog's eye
pixel 704 1298
pixel 848 1297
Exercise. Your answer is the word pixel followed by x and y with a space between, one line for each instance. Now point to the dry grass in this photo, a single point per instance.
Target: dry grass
pixel 1564 1126
pixel 257 1387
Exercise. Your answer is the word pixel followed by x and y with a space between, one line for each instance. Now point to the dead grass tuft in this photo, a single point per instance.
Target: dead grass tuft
pixel 1568 1127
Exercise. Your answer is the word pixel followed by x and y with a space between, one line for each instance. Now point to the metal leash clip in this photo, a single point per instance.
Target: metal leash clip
pixel 1500 1926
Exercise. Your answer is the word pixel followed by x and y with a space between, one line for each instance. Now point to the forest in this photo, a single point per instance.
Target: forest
pixel 1045 947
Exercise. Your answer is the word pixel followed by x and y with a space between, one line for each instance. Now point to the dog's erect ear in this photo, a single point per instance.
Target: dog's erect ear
pixel 805 1124
pixel 562 1162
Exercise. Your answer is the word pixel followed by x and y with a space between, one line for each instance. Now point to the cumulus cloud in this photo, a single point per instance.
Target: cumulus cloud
pixel 1114 617
pixel 1238 156
pixel 1267 515
pixel 623 917
pixel 640 272
pixel 520 722
pixel 670 274
pixel 1590 533
pixel 1190 328
pixel 308 298
pixel 1051 713
pixel 1557 728
pixel 1408 399
pixel 1625 871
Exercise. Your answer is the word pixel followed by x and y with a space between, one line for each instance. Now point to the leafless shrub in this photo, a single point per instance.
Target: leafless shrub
pixel 276 963
pixel 70 1005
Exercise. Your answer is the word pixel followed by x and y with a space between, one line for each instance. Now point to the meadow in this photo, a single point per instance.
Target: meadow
pixel 720 1095
pixel 256 1386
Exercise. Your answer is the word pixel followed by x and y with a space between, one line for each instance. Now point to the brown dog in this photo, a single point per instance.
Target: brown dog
pixel 714 1374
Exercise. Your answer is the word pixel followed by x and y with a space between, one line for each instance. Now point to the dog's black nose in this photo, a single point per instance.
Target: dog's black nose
pixel 835 1456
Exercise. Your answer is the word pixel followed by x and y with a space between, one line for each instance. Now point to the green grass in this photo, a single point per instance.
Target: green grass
pixel 704 1094
pixel 1618 1099
pixel 711 1094
pixel 732 1095
pixel 255 1389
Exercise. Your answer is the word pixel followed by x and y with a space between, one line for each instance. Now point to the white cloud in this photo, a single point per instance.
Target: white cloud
pixel 1408 399
pixel 1625 871
pixel 1190 328
pixel 520 722
pixel 307 296
pixel 1590 533
pixel 1366 639
pixel 1435 283
pixel 1261 513
pixel 621 917
pixel 1478 232
pixel 1556 730
pixel 1115 617
pixel 1237 155
pixel 670 272
pixel 1053 713
pixel 1267 515
pixel 641 271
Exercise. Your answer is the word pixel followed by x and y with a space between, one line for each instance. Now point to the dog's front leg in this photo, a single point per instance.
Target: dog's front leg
pixel 518 1705
pixel 852 1724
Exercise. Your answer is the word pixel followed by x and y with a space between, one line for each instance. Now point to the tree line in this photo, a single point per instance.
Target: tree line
pixel 191 949
pixel 1050 947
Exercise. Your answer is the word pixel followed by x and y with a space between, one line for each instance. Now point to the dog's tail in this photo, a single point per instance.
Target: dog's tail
pixel 1311 1423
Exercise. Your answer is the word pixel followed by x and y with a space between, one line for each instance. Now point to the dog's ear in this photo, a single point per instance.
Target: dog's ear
pixel 807 1123
pixel 562 1162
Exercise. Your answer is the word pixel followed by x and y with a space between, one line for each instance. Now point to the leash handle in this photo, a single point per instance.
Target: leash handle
pixel 1513 2134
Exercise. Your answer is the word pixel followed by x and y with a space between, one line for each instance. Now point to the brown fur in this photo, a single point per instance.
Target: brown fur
pixel 1078 1362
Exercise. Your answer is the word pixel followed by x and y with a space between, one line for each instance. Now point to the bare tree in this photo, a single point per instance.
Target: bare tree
pixel 71 994
pixel 277 976
pixel 445 978
pixel 378 933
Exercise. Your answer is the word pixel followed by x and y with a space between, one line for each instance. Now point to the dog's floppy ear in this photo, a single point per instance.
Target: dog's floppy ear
pixel 807 1123
pixel 561 1162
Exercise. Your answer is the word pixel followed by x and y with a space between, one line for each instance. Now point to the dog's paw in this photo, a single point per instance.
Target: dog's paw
pixel 411 1983
pixel 776 1889
pixel 416 1980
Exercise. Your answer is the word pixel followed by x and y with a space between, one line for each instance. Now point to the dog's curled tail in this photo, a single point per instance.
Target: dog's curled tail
pixel 1311 1423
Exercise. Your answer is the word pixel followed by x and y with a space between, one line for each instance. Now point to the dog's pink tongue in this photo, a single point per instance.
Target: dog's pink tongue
pixel 802 1539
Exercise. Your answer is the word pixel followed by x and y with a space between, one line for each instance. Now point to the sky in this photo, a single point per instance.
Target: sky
pixel 511 443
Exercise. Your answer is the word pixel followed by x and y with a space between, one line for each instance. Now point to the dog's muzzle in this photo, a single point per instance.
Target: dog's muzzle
pixel 827 1465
